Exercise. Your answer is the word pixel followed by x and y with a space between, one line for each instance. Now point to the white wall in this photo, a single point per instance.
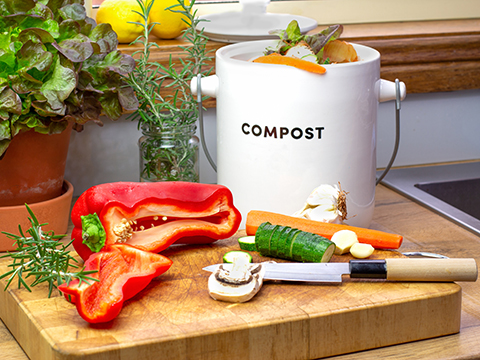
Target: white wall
pixel 437 127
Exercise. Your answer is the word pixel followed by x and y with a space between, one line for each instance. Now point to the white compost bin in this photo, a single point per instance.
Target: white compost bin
pixel 282 131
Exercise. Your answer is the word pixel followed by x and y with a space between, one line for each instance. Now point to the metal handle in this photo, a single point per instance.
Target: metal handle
pixel 200 121
pixel 398 98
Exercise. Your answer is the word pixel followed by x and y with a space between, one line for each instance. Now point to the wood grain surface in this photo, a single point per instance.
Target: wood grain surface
pixel 175 318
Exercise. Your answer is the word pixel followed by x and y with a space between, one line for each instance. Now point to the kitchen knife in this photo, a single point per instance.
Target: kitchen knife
pixel 396 269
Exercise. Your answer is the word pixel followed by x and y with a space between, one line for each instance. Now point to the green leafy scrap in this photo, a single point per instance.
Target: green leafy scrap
pixel 292 35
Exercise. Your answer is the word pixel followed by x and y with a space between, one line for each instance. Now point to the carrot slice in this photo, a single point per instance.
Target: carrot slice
pixel 378 239
pixel 277 59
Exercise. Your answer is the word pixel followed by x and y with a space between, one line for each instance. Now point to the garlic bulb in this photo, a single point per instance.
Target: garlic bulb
pixel 326 203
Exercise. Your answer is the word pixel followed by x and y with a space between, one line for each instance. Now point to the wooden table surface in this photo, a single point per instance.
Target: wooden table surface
pixel 423 230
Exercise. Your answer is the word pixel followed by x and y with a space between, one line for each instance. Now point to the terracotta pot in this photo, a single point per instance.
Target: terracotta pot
pixel 55 212
pixel 32 169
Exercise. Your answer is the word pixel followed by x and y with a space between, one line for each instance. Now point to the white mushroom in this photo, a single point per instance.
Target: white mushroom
pixel 240 284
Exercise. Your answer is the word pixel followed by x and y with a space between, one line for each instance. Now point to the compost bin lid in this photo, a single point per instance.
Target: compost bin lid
pixel 251 23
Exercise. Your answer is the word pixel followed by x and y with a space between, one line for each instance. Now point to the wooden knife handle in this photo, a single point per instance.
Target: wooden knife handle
pixel 431 269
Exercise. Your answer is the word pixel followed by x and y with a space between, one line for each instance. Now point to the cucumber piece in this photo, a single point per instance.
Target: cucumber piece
pixel 282 241
pixel 324 250
pixel 287 252
pixel 247 243
pixel 275 239
pixel 263 239
pixel 230 256
pixel 293 244
pixel 302 244
pixel 261 234
pixel 275 230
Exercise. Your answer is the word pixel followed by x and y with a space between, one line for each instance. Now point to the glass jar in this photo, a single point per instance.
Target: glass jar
pixel 169 153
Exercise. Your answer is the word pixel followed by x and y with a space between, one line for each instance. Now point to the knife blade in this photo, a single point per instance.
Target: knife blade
pixel 396 269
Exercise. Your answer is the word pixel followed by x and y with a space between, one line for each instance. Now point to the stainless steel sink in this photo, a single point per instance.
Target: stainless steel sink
pixel 452 190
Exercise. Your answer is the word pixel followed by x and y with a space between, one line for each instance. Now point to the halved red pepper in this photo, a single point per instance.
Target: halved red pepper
pixel 123 271
pixel 152 216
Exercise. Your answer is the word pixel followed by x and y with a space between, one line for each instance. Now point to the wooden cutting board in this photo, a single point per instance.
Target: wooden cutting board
pixel 175 318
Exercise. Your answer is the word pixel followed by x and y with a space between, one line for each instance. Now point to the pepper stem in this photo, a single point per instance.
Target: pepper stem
pixel 93 233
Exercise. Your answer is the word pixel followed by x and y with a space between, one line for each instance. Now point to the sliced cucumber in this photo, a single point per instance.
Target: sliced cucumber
pixel 275 240
pixel 293 244
pixel 261 236
pixel 282 242
pixel 289 244
pixel 262 239
pixel 230 256
pixel 247 243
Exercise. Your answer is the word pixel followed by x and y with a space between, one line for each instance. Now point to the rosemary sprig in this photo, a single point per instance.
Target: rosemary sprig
pixel 41 255
pixel 149 77
pixel 172 156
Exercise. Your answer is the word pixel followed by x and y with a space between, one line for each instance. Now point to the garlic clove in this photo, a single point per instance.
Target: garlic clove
pixel 344 240
pixel 361 251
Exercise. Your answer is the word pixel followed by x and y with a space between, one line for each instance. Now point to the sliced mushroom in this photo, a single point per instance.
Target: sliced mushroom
pixel 240 284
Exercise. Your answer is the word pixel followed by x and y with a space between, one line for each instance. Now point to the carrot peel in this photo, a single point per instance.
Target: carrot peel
pixel 378 239
pixel 277 59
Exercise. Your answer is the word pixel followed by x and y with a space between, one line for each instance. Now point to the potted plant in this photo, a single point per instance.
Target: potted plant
pixel 169 147
pixel 58 71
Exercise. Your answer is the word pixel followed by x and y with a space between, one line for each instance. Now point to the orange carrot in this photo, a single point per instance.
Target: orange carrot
pixel 275 58
pixel 378 239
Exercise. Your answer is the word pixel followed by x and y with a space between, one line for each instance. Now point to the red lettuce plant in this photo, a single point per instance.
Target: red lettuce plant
pixel 57 65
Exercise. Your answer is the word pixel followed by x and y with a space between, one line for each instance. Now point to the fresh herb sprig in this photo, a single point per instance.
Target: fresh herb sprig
pixel 150 77
pixel 41 255
pixel 166 153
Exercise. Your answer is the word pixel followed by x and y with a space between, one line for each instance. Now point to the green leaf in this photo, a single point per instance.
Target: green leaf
pixel 318 41
pixel 36 35
pixel 68 29
pixel 118 62
pixel 93 233
pixel 10 101
pixel 21 85
pixel 73 11
pixel 76 50
pixel 4 130
pixel 111 105
pixel 9 7
pixel 293 32
pixel 59 86
pixel 127 98
pixel 42 11
pixel 105 37
pixel 33 55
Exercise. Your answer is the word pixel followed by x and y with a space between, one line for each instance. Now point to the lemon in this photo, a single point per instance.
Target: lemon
pixel 118 13
pixel 170 24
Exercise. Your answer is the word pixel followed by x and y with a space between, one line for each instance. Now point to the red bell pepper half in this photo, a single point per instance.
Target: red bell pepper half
pixel 123 272
pixel 152 216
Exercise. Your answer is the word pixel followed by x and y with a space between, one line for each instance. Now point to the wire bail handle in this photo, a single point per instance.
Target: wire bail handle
pixel 385 171
pixel 397 131
pixel 200 121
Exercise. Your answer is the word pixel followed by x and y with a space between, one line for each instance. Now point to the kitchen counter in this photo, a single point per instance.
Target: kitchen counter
pixel 423 230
